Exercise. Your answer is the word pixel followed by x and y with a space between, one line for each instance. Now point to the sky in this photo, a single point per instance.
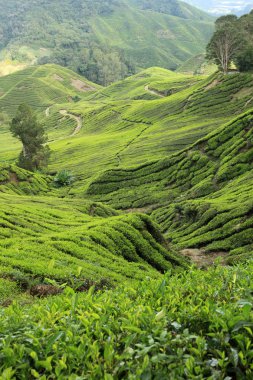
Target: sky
pixel 223 6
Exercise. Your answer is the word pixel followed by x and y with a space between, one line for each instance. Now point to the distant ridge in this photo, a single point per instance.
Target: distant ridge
pixel 88 36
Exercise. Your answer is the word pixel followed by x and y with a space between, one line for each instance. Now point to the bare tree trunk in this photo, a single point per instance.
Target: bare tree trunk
pixel 24 151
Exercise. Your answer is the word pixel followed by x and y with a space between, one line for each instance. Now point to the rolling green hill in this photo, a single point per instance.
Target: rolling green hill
pixel 182 130
pixel 40 87
pixel 72 241
pixel 201 196
pixel 140 126
pixel 143 118
pixel 162 166
pixel 105 41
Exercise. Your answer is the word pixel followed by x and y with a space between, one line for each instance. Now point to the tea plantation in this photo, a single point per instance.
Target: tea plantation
pixel 194 325
pixel 98 279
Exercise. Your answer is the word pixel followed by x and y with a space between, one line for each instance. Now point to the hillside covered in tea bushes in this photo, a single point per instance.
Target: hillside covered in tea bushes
pixel 98 278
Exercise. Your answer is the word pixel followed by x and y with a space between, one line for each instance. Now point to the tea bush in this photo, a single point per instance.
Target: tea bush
pixel 193 325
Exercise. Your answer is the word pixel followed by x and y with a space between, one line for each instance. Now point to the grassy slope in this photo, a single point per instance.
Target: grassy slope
pixel 126 124
pixel 193 325
pixel 40 87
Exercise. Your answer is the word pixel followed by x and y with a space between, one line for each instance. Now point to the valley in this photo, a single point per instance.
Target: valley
pixel 127 147
pixel 126 253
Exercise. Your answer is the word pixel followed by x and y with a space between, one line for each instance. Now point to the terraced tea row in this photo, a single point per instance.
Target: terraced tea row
pixel 19 181
pixel 74 241
pixel 219 223
pixel 118 130
pixel 122 133
pixel 40 87
pixel 216 171
pixel 118 134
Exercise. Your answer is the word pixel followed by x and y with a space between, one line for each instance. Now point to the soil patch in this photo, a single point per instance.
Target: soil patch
pixel 45 290
pixel 57 77
pixel 202 258
pixel 13 178
pixel 154 92
pixel 81 86
pixel 212 85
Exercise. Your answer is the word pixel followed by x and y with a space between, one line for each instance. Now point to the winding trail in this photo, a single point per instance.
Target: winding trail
pixel 154 92
pixel 78 119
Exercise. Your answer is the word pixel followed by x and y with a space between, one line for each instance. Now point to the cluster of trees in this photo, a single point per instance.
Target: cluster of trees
pixel 99 64
pixel 63 27
pixel 232 42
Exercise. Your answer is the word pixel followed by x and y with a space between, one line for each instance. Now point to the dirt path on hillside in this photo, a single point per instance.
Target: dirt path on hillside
pixel 144 129
pixel 202 258
pixel 78 120
pixel 248 102
pixel 154 92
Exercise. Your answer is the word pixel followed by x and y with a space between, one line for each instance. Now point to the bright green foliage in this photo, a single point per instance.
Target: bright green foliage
pixel 221 222
pixel 8 290
pixel 195 325
pixel 63 178
pixel 217 171
pixel 126 124
pixel 74 240
pixel 173 146
pixel 25 126
pixel 19 181
pixel 199 170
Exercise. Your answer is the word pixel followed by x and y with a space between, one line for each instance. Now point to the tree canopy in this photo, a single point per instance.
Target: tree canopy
pixel 31 133
pixel 232 41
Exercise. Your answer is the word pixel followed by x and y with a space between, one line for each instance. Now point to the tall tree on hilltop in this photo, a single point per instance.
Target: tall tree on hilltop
pixel 244 58
pixel 225 42
pixel 25 126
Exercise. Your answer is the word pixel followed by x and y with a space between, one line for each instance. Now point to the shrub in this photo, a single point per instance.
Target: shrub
pixel 63 178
